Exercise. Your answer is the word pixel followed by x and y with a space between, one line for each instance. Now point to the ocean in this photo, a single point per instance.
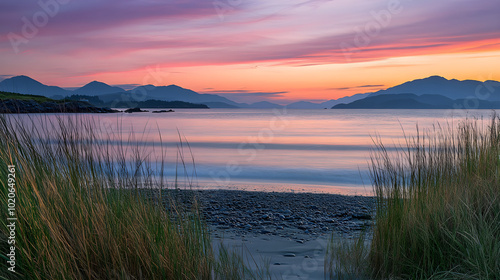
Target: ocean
pixel 284 150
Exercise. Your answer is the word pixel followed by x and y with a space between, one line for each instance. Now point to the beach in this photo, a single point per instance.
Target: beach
pixel 287 232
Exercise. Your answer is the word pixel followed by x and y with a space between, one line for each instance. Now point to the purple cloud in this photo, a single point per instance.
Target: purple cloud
pixel 112 36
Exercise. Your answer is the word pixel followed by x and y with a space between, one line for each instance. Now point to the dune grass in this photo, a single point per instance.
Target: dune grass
pixel 235 264
pixel 438 205
pixel 347 259
pixel 80 214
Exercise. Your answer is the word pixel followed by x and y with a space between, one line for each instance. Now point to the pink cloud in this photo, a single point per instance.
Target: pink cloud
pixel 101 36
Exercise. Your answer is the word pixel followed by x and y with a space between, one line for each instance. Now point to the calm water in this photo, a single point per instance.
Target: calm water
pixel 274 150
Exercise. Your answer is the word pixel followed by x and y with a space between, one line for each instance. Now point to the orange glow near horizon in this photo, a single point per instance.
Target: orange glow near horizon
pixel 316 83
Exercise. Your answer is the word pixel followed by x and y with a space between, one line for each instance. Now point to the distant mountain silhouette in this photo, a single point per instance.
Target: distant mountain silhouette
pixel 107 93
pixel 166 93
pixel 396 101
pixel 453 89
pixel 413 101
pixel 345 99
pixel 27 85
pixel 433 92
pixel 96 88
pixel 432 87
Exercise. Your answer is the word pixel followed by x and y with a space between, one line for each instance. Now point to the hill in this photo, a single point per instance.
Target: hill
pixel 453 89
pixel 28 103
pixel 27 85
pixel 11 95
pixel 96 88
pixel 111 94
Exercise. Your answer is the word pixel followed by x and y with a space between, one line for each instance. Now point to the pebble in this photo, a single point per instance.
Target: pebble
pixel 362 216
pixel 245 212
pixel 289 255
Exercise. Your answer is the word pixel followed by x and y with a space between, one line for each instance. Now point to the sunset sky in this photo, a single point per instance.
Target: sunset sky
pixel 280 50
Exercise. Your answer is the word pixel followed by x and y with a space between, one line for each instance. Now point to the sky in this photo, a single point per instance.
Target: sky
pixel 247 50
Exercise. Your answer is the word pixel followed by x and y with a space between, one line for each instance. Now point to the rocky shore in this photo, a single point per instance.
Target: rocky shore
pixel 299 216
pixel 288 233
pixel 14 106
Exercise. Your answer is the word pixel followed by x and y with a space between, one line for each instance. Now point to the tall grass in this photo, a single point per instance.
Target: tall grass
pixel 79 218
pixel 438 204
pixel 347 259
pixel 232 264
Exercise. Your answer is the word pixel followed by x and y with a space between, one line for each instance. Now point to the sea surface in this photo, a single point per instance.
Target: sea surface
pixel 285 150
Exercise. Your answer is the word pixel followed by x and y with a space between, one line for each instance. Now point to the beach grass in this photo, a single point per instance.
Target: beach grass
pixel 235 264
pixel 80 214
pixel 438 204
pixel 347 258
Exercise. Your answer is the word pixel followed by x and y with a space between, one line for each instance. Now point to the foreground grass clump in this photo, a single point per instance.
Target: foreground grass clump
pixel 76 219
pixel 347 259
pixel 438 209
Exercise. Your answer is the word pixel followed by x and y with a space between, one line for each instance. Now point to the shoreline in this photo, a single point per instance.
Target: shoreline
pixel 286 234
pixel 283 214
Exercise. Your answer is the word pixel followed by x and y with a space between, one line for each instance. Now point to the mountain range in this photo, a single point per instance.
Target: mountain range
pixel 433 92
pixel 110 94
pixel 453 89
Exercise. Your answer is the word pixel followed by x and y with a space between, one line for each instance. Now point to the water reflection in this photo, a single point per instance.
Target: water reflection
pixel 280 150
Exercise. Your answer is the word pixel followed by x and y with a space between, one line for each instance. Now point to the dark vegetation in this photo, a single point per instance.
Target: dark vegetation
pixel 152 103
